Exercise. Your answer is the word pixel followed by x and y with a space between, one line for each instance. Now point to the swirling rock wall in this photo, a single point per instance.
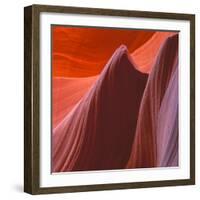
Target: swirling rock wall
pixel 119 114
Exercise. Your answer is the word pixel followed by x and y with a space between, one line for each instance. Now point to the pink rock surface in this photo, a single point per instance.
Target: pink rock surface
pixel 121 118
pixel 153 123
pixel 98 132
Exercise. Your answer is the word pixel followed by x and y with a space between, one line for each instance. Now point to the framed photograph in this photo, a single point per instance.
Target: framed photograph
pixel 109 99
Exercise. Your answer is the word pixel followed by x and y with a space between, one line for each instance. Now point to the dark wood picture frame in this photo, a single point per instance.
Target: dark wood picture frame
pixel 32 105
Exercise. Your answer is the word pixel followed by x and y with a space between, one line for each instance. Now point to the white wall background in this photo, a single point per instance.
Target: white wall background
pixel 11 99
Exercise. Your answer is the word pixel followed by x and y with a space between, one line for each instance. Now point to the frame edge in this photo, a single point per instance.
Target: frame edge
pixel 27 99
pixel 192 98
pixel 31 103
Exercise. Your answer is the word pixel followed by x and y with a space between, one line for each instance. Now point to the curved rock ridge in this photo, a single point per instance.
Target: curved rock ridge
pixel 98 133
pixel 156 136
pixel 167 139
pixel 75 69
pixel 124 120
pixel 83 52
pixel 145 56
pixel 66 93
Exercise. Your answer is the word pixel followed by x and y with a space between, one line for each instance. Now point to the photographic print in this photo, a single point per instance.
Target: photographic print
pixel 115 98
